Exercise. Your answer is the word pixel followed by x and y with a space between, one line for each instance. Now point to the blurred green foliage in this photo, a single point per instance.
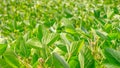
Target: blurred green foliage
pixel 59 33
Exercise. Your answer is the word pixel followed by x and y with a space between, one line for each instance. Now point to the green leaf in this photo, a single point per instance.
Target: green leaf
pixel 67 42
pixel 108 65
pixel 97 13
pixel 2 48
pixel 108 27
pixel 34 59
pixel 112 56
pixel 101 34
pixel 73 62
pixel 34 42
pixel 49 23
pixel 80 46
pixel 81 60
pixel 40 32
pixel 68 13
pixel 61 60
pixel 22 48
pixel 116 11
pixel 86 59
pixel 101 21
pixel 62 47
pixel 70 30
pixel 74 47
pixel 113 36
pixel 11 59
pixel 52 40
pixel 3 64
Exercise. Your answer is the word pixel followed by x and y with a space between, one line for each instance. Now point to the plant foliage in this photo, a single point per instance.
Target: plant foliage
pixel 59 34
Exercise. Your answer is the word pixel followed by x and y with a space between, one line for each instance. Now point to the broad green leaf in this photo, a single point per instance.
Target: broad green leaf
pixel 54 39
pixel 70 37
pixel 116 11
pixel 66 22
pixel 11 59
pixel 68 13
pixel 2 48
pixel 81 60
pixel 22 48
pixel 61 60
pixel 49 23
pixel 111 66
pixel 40 32
pixel 63 37
pixel 75 47
pixel 103 35
pixel 113 56
pixel 80 46
pixel 113 36
pixel 3 64
pixel 70 30
pixel 34 59
pixel 62 47
pixel 35 43
pixel 108 27
pixel 74 62
pixel 97 13
pixel 86 59
pixel 101 21
pixel 27 35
